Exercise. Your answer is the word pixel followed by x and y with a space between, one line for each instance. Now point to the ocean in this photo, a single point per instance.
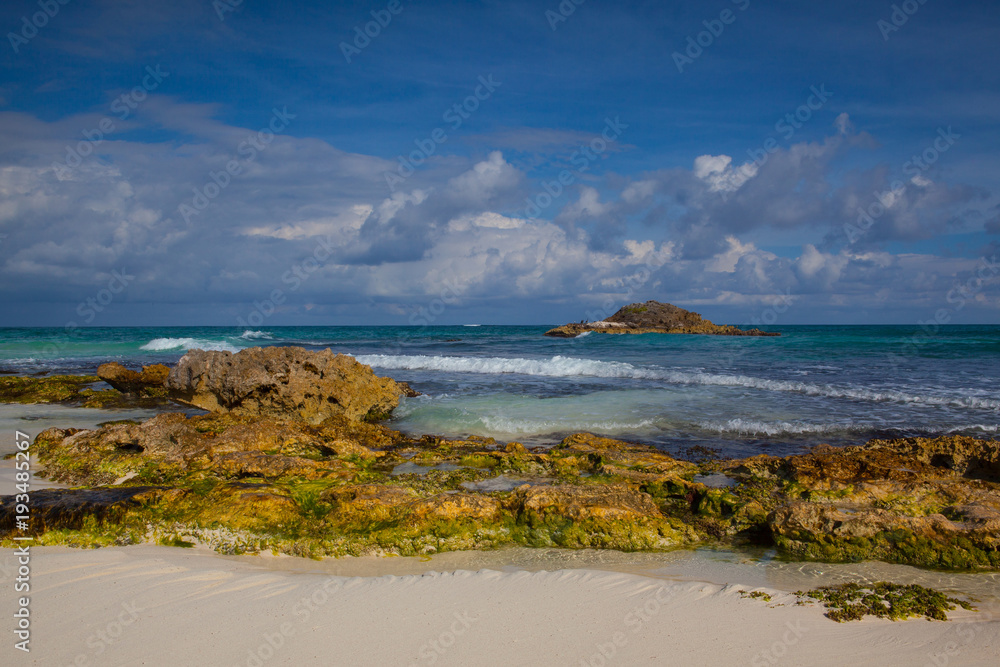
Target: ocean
pixel 737 396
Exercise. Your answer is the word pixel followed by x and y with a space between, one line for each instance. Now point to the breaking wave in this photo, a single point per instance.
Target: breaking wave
pixel 164 344
pixel 256 335
pixel 560 366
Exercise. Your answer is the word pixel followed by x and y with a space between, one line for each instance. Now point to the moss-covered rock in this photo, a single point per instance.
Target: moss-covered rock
pixel 76 390
pixel 243 483
pixel 150 382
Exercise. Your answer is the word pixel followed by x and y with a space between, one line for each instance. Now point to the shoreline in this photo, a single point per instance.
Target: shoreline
pixel 135 605
pixel 519 605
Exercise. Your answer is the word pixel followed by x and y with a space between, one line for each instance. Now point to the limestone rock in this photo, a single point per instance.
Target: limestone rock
pixel 585 502
pixel 151 381
pixel 289 382
pixel 69 509
pixel 457 506
pixel 170 446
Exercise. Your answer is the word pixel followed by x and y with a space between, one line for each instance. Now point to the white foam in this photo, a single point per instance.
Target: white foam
pixel 754 427
pixel 560 366
pixel 256 335
pixel 164 344
pixel 527 426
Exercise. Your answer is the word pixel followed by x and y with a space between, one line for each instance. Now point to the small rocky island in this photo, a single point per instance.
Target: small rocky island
pixel 654 317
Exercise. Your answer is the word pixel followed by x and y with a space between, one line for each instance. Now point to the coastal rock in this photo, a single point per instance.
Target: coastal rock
pixel 653 317
pixel 585 502
pixel 170 447
pixel 283 382
pixel 150 382
pixel 70 509
pixel 52 389
pixel 923 501
pixel 332 489
pixel 457 506
pixel 593 451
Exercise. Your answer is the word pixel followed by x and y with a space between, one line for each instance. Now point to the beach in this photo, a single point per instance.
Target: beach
pixel 499 333
pixel 149 604
pixel 157 605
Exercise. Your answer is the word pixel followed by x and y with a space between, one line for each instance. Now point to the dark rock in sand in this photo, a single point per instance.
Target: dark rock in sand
pixel 69 509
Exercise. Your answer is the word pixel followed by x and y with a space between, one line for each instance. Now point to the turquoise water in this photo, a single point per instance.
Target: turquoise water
pixel 741 395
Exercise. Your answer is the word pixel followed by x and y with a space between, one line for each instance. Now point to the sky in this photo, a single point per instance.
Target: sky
pixel 252 163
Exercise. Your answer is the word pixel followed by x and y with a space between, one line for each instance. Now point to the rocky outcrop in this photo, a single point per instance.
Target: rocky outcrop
pixel 150 382
pixel 283 382
pixel 654 317
pixel 923 501
pixel 52 389
pixel 73 390
pixel 586 502
pixel 243 482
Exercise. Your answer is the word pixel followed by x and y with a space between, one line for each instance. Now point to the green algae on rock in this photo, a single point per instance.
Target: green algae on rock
pixel 932 502
pixel 70 389
pixel 242 483
pixel 150 382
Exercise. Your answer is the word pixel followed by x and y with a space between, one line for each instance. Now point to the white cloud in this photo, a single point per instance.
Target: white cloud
pixel 65 231
pixel 725 262
pixel 716 171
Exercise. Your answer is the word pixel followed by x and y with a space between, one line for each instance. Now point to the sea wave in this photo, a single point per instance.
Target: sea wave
pixel 755 427
pixel 528 426
pixel 778 428
pixel 165 344
pixel 560 366
pixel 256 335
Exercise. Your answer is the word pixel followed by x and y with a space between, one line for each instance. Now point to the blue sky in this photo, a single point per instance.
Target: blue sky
pixel 586 164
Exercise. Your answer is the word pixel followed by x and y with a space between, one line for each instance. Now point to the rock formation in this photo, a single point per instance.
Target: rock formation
pixel 654 317
pixel 150 382
pixel 286 462
pixel 283 382
pixel 245 483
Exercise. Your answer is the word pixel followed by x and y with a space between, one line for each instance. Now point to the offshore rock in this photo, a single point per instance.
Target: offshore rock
pixel 654 317
pixel 288 382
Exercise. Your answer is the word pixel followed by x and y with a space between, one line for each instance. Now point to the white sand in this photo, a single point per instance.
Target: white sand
pixel 161 606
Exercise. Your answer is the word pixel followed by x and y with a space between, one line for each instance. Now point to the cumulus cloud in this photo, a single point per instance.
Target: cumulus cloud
pixel 715 170
pixel 686 232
